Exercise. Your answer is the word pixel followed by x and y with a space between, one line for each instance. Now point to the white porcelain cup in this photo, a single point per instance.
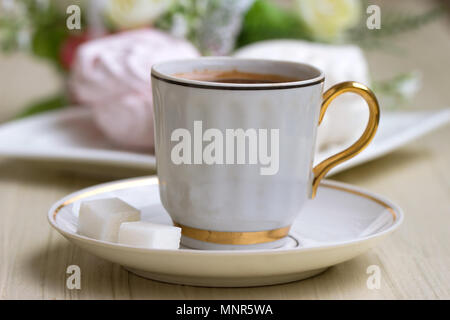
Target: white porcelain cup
pixel 249 197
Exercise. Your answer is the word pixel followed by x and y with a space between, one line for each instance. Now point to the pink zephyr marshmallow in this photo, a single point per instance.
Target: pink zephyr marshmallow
pixel 112 76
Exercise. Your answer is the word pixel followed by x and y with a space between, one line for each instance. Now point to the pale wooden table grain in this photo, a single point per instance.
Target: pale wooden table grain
pixel 414 261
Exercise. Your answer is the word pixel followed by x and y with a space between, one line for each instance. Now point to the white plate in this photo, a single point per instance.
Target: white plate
pixel 395 130
pixel 341 223
pixel 70 134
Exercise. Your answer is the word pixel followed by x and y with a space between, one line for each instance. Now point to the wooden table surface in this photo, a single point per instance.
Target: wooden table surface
pixel 414 261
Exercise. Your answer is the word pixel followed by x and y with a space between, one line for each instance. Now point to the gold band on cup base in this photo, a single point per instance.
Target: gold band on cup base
pixel 226 237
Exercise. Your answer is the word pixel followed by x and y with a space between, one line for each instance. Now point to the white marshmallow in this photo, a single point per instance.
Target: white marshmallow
pixel 150 235
pixel 100 219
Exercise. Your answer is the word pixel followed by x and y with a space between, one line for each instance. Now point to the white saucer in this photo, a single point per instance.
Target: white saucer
pixel 341 223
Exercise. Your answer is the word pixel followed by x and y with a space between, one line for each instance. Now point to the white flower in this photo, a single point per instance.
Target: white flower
pixel 220 26
pixel 135 13
pixel 327 19
pixel 179 26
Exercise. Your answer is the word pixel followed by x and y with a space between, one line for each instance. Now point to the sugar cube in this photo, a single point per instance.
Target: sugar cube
pixel 150 235
pixel 101 218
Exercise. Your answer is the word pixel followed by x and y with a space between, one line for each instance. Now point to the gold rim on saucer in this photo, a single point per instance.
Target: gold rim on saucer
pixel 220 237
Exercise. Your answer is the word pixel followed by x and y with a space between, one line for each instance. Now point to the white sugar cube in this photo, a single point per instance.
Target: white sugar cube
pixel 150 235
pixel 100 219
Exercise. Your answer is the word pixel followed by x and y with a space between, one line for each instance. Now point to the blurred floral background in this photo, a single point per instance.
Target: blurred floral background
pixel 104 64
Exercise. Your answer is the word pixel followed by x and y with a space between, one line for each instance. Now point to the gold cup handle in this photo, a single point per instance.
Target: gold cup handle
pixel 322 168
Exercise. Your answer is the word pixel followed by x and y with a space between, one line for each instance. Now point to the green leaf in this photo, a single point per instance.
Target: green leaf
pixel 52 103
pixel 265 20
pixel 47 44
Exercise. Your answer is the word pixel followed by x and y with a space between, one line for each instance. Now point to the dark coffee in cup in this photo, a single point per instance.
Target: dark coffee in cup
pixel 234 76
